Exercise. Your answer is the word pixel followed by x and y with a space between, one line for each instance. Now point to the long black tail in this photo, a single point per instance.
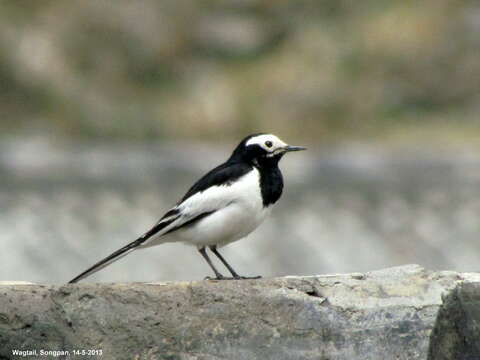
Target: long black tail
pixel 109 259
pixel 166 220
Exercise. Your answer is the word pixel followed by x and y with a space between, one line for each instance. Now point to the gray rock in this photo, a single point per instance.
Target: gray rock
pixel 387 314
pixel 457 331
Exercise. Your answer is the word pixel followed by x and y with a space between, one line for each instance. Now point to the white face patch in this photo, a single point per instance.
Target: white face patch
pixel 268 142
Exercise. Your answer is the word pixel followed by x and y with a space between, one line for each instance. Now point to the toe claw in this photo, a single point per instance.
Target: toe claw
pixel 213 278
pixel 221 277
pixel 248 277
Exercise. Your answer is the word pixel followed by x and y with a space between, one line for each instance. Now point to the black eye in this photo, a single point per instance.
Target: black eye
pixel 268 144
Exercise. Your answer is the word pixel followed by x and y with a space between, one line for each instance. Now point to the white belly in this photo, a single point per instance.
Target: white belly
pixel 222 227
pixel 238 211
pixel 235 221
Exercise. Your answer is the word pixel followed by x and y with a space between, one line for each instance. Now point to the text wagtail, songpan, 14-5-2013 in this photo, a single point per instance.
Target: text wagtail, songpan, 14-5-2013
pixel 225 205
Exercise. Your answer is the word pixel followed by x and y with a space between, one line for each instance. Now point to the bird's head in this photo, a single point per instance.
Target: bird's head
pixel 262 149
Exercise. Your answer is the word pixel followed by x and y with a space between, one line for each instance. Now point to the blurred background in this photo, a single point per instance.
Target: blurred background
pixel 109 111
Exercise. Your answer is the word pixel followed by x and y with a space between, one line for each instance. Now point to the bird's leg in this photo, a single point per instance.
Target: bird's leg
pixel 234 274
pixel 205 256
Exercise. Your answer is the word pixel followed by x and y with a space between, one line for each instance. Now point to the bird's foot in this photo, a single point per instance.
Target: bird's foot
pixel 237 277
pixel 221 277
pixel 248 277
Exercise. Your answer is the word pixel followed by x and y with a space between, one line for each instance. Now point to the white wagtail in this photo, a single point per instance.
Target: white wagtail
pixel 225 205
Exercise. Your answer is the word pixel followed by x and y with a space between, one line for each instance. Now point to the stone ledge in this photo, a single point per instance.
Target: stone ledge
pixel 404 312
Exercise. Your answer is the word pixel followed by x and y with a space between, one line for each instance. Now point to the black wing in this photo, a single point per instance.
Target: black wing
pixel 224 174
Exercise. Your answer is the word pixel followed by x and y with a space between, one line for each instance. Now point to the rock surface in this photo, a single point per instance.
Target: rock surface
pixel 398 313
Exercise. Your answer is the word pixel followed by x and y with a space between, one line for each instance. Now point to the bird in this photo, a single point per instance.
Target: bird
pixel 223 206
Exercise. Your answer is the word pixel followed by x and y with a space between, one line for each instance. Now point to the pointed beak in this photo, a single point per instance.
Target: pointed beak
pixel 289 148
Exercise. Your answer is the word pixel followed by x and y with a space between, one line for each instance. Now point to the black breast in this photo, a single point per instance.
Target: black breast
pixel 271 184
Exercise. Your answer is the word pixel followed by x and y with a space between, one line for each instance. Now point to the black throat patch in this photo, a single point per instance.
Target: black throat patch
pixel 271 184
